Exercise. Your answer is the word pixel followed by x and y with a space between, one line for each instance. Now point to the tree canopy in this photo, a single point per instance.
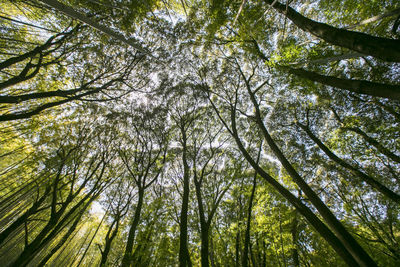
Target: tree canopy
pixel 199 133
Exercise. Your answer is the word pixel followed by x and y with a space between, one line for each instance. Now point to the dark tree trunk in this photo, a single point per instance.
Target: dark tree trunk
pixel 294 233
pixel 28 114
pixel 375 143
pixel 20 98
pixel 52 228
pixel 204 226
pixel 65 237
pixel 184 257
pixel 366 178
pixel 314 221
pixel 204 246
pixel 126 260
pixel 359 254
pixel 245 258
pixel 382 48
pixel 357 86
pixel 23 218
pixel 237 248
pixel 39 49
pixel 111 234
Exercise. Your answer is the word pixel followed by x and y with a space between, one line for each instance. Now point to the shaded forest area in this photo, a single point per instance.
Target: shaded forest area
pixel 199 133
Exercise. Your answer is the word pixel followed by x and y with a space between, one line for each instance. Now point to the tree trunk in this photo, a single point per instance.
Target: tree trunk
pixel 22 219
pixel 70 12
pixel 51 229
pixel 294 233
pixel 20 98
pixel 204 251
pixel 314 221
pixel 374 143
pixel 356 86
pixel 111 234
pixel 204 226
pixel 359 254
pixel 382 48
pixel 366 178
pixel 184 257
pixel 28 114
pixel 39 49
pixel 62 241
pixel 237 248
pixel 245 258
pixel 126 260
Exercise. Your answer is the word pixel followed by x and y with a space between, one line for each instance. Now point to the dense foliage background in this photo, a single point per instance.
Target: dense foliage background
pixel 199 133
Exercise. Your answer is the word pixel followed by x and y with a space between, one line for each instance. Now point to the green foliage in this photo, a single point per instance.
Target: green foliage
pixel 146 121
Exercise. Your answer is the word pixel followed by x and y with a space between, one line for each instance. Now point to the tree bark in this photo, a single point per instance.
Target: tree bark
pixel 48 233
pixel 65 237
pixel 204 226
pixel 314 221
pixel 184 257
pixel 359 254
pixel 69 11
pixel 245 258
pixel 23 218
pixel 10 99
pixel 382 48
pixel 28 114
pixel 318 225
pixel 356 86
pixel 23 75
pixel 111 234
pixel 294 233
pixel 374 143
pixel 126 260
pixel 366 178
pixel 39 49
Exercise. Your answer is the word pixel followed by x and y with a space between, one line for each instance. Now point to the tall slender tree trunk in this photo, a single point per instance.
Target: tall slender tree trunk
pixel 366 178
pixel 21 220
pixel 204 250
pixel 359 254
pixel 126 260
pixel 204 226
pixel 69 11
pixel 245 258
pixel 237 248
pixel 372 141
pixel 294 233
pixel 111 234
pixel 388 91
pixel 314 221
pixel 51 229
pixel 65 237
pixel 184 257
pixel 382 48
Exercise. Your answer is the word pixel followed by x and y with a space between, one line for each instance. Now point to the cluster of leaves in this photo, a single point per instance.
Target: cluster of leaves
pixel 222 133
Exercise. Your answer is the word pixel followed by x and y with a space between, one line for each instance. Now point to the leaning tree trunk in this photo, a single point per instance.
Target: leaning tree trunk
pixel 389 91
pixel 70 12
pixel 314 221
pixel 359 254
pixel 373 142
pixel 364 177
pixel 382 48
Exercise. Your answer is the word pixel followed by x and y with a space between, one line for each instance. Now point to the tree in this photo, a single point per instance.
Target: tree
pixel 199 133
